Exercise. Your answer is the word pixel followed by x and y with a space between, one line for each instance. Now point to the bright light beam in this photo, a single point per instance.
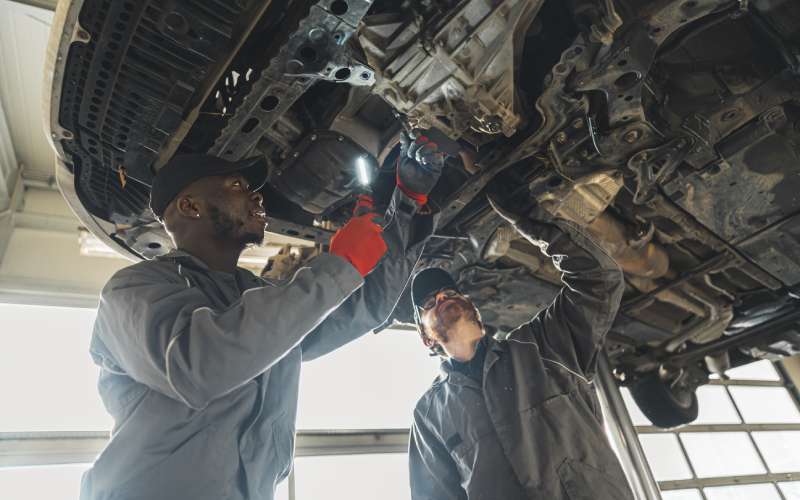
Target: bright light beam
pixel 362 169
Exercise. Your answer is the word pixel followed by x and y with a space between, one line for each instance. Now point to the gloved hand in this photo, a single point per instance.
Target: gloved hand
pixel 360 243
pixel 286 263
pixel 419 167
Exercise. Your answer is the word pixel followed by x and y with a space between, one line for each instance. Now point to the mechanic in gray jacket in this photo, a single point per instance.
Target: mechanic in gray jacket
pixel 515 416
pixel 200 360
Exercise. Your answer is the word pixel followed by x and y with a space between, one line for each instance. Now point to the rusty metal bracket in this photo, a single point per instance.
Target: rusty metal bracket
pixel 653 166
pixel 316 51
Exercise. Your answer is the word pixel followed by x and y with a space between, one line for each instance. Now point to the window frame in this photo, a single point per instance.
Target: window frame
pixel 770 477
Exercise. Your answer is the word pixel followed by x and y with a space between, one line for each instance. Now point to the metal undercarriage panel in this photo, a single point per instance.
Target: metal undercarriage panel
pixel 754 186
pixel 631 118
pixel 458 75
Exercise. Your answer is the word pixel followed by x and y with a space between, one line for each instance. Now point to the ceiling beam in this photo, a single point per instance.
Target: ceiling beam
pixel 47 222
pixel 9 167
pixel 46 293
pixel 9 183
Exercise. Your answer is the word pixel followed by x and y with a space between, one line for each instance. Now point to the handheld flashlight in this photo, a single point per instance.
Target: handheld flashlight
pixel 362 171
pixel 364 202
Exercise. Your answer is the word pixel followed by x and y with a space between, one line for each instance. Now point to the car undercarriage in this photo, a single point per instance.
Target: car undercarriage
pixel 668 130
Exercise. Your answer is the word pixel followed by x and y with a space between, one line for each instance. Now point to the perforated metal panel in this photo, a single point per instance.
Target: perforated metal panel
pixel 130 79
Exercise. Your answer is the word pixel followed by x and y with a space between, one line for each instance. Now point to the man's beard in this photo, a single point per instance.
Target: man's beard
pixel 446 321
pixel 226 227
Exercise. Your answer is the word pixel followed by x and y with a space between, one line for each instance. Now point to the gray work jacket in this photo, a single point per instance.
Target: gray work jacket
pixel 533 429
pixel 200 369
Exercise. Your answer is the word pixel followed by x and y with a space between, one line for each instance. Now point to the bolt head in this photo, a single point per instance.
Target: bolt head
pixel 632 136
pixel 316 34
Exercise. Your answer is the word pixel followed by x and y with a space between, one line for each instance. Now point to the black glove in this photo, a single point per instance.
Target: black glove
pixel 419 165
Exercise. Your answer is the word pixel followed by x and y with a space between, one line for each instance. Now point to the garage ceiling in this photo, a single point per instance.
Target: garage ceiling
pixel 24 31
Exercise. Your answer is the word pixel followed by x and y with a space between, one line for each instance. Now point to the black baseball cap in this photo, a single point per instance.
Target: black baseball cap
pixel 184 169
pixel 427 282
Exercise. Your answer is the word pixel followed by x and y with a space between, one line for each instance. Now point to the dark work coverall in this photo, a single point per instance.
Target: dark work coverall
pixel 530 427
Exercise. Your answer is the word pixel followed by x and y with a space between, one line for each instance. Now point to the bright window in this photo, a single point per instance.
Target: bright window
pixel 722 453
pixel 353 477
pixel 790 490
pixel 747 425
pixel 48 482
pixel 781 450
pixel 47 378
pixel 664 456
pixel 715 406
pixel 765 405
pixel 348 389
pixel 681 495
pixel 743 492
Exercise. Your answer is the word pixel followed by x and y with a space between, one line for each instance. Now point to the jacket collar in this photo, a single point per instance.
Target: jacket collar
pixel 185 258
pixel 494 349
pixel 494 352
pixel 447 374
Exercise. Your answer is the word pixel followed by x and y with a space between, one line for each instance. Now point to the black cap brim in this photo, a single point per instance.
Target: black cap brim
pixel 254 170
pixel 182 170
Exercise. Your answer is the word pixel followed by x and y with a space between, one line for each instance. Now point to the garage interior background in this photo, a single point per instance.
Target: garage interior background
pixel 52 424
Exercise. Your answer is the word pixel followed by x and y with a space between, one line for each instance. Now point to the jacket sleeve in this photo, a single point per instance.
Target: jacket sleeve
pixel 573 327
pixel 164 333
pixel 405 235
pixel 432 472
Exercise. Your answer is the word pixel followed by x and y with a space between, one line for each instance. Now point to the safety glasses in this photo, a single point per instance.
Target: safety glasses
pixel 430 302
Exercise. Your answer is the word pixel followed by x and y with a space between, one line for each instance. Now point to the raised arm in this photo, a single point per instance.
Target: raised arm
pixel 405 235
pixel 164 333
pixel 574 326
pixel 418 169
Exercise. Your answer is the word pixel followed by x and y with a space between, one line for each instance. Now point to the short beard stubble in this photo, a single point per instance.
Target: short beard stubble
pixel 226 228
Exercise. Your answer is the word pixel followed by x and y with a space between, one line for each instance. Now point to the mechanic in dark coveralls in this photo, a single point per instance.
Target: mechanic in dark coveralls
pixel 200 360
pixel 515 416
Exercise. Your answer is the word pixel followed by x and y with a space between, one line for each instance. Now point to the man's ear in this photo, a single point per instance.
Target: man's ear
pixel 429 342
pixel 186 206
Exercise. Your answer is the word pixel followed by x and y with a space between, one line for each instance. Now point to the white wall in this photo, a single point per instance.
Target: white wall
pixel 42 263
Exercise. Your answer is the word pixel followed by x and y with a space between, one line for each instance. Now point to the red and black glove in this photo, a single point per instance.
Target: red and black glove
pixel 360 243
pixel 419 167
